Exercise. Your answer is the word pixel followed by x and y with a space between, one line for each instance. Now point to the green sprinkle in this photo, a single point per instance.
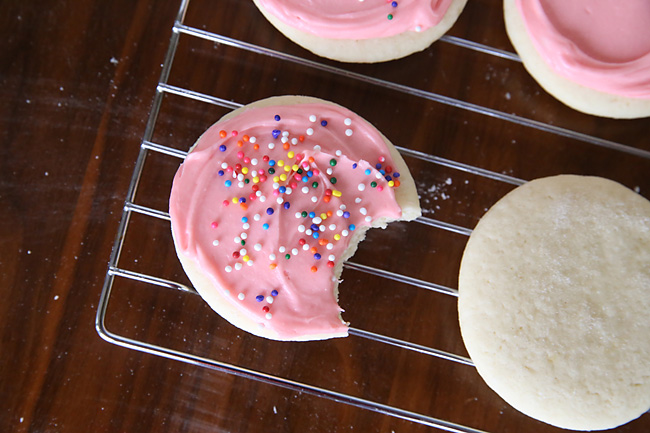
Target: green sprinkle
pixel 333 180
pixel 332 162
pixel 314 185
pixel 304 214
pixel 271 170
pixel 390 16
pixel 287 256
pixel 373 184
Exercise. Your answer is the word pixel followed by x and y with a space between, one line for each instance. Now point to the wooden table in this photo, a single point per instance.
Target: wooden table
pixel 78 82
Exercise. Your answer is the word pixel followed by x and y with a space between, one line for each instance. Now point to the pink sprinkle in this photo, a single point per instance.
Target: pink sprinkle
pixel 240 154
pixel 297 176
pixel 380 188
pixel 316 172
pixel 382 159
pixel 247 160
pixel 214 225
pixel 226 202
pixel 276 192
pixel 234 133
pixel 229 169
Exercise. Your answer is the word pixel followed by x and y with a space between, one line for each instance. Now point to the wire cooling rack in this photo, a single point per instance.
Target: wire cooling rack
pixel 151 148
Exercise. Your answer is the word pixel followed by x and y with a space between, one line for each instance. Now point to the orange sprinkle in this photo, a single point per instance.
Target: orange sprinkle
pixel 311 159
pixel 286 146
pixel 244 206
pixel 240 143
pixel 327 198
pixel 323 241
pixel 256 146
pixel 314 269
pixel 273 265
pixel 222 134
pixel 396 183
pixel 301 138
pixel 246 137
pixel 329 213
pixel 313 250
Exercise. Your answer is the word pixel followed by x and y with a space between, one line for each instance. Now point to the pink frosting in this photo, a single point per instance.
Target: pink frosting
pixel 239 220
pixel 358 19
pixel 601 44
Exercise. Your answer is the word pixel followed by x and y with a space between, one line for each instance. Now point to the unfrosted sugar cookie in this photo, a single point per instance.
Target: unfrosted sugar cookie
pixel 554 294
pixel 363 31
pixel 592 55
pixel 271 201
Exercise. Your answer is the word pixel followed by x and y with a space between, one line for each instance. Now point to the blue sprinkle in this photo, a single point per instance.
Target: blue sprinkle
pixel 282 189
pixel 323 122
pixel 317 256
pixel 272 163
pixel 287 205
pixel 378 166
pixel 346 214
pixel 221 173
pixel 383 172
pixel 265 226
pixel 388 178
pixel 312 214
pixel 314 227
pixel 269 211
pixel 242 200
pixel 310 173
pixel 396 175
pixel 277 117
pixel 315 235
pixel 228 183
pixel 244 220
pixel 354 165
pixel 259 298
pixel 394 4
pixel 305 179
pixel 222 148
pixel 274 292
pixel 352 227
pixel 276 133
pixel 367 171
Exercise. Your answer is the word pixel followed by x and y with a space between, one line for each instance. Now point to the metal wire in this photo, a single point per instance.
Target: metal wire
pixel 147 146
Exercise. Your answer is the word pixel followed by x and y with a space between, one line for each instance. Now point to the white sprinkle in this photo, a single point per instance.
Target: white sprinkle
pixel 241 184
pixel 361 187
pixel 332 227
pixel 285 133
pixel 314 199
pixel 344 233
pixel 269 299
pixel 368 219
pixel 280 200
pixel 317 148
pixel 282 249
pixel 305 247
pixel 243 251
pixel 329 170
pixel 237 240
pixel 339 153
pixel 357 200
pixel 339 213
pixel 378 175
pixel 258 193
pixel 257 216
pixel 305 189
pixel 238 266
pixel 284 139
pixel 348 132
pixel 418 28
pixel 271 145
pixel 229 269
pixel 294 251
pixel 308 232
pixel 224 165
pixel 312 118
pixel 268 316
pixel 331 257
pixel 298 214
pixel 246 226
pixel 241 296
pixel 240 177
pixel 276 185
pixel 342 206
pixel 215 242
pixel 330 246
pixel 262 198
pixel 322 228
pixel 249 263
pixel 252 140
pixel 257 247
pixel 243 236
pixel 347 121
pixel 254 161
pixel 363 211
pixel 316 220
pixel 301 228
pixel 288 191
pixel 310 131
pixel 271 257
pixel 56 297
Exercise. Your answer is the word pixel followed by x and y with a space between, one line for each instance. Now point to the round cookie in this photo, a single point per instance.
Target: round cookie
pixel 592 55
pixel 270 202
pixel 554 294
pixel 362 32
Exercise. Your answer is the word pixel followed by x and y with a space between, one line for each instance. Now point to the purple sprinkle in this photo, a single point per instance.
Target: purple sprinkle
pixel 354 165
pixel 274 293
pixel 221 173
pixel 269 211
pixel 276 133
pixel 317 256
pixel 378 166
pixel 222 148
pixel 259 298
pixel 323 122
pixel 287 205
pixel 277 117
pixel 346 214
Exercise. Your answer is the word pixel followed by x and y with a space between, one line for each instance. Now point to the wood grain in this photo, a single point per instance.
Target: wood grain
pixel 77 82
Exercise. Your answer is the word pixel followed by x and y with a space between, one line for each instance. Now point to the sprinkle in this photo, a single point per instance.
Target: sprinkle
pixel 330 264
pixel 271 257
pixel 390 16
pixel 215 242
pixel 241 296
pixel 352 227
pixel 274 292
pixel 314 269
pixel 312 118
pixel 265 308
pixel 238 266
pixel 348 132
pixel 277 117
pixel 346 214
pixel 259 298
pixel 269 211
pixel 336 193
pixel 361 187
pixel 347 121
pixel 317 256
pixel 310 131
pixel 270 299
pixel 332 162
pixel 268 316
pixel 363 211
pixel 222 148
pixel 214 225
pixel 333 180
pixel 323 122
pixel 257 247
pixel 228 183
pixel 275 133
pixel 265 226
pixel 229 269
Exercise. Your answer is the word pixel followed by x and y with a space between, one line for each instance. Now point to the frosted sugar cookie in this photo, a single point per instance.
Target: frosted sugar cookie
pixel 554 294
pixel 364 31
pixel 592 55
pixel 271 201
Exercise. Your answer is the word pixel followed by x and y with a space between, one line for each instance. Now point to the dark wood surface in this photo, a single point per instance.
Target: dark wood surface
pixel 77 83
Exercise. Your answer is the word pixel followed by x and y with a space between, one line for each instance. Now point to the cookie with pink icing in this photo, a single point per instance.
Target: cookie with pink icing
pixel 270 202
pixel 592 55
pixel 363 31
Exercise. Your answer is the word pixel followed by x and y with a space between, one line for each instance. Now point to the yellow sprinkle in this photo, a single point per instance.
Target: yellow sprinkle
pixel 291 154
pixel 280 163
pixel 283 177
pixel 246 258
pixel 337 237
pixel 287 168
pixel 336 193
pixel 323 216
pixel 234 200
pixel 244 170
pixel 295 167
pixel 256 179
pixel 276 179
pixel 391 183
